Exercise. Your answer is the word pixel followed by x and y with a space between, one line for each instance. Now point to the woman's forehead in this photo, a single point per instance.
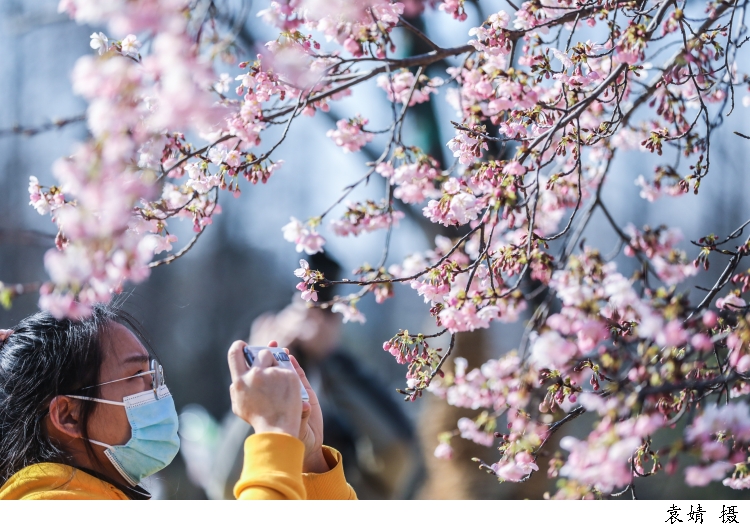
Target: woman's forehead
pixel 123 346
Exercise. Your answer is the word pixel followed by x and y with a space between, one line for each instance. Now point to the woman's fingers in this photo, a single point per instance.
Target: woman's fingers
pixel 236 357
pixel 303 430
pixel 275 344
pixel 265 359
pixel 311 395
pixel 300 373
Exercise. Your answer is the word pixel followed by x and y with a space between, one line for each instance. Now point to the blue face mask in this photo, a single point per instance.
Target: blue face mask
pixel 153 422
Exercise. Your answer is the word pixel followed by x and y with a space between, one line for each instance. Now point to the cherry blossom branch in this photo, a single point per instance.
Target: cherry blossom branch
pixel 408 25
pixel 701 384
pixel 406 278
pixel 735 234
pixel 395 130
pixel 417 60
pixel 195 153
pixel 726 275
pixel 191 243
pixel 26 236
pixel 54 124
pixel 646 95
pixel 412 393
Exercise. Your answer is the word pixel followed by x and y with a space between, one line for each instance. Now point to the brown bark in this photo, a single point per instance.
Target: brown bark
pixel 459 477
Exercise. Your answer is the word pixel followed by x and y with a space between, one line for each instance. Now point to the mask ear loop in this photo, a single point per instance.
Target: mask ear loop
pixel 101 444
pixel 114 462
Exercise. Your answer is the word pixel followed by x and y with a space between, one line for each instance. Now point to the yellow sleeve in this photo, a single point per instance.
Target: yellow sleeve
pixel 272 469
pixel 332 484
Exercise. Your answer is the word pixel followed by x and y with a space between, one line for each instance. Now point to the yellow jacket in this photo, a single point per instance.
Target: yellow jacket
pixel 272 471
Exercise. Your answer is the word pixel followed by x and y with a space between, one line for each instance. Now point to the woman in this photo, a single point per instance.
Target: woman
pixel 85 414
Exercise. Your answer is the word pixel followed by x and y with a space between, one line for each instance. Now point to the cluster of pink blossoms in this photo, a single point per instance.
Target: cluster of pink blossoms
pixel 104 238
pixel 492 38
pixel 652 192
pixel 305 237
pixel 44 201
pixel 466 147
pixel 352 24
pixel 670 264
pixel 403 87
pixel 605 458
pixel 309 279
pixel 350 135
pixel 720 433
pixel 414 182
pixel 366 217
pixel 496 385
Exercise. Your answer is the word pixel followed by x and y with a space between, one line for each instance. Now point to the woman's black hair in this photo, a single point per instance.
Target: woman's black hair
pixel 43 358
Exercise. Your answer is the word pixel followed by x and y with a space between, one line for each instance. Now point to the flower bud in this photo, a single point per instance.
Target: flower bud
pixel 710 319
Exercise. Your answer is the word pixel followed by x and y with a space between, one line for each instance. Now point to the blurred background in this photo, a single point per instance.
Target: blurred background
pixel 241 269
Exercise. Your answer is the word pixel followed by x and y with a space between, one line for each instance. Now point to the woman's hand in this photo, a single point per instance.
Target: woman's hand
pixel 266 396
pixel 311 428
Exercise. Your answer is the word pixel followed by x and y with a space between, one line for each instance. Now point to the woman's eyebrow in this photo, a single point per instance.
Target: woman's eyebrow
pixel 137 358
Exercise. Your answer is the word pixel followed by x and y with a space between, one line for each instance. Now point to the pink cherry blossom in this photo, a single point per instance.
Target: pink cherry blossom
pixel 698 476
pixel 702 342
pixel 100 42
pixel 454 8
pixel 731 301
pixel 349 134
pixel 672 335
pixel 306 238
pixel 466 148
pixel 550 350
pixel 366 217
pixel 349 312
pixel 516 469
pixel 603 459
pixel 742 483
pixel 469 430
pixel 130 45
pixel 443 451
pixel 398 87
pixel 710 319
pixel 733 417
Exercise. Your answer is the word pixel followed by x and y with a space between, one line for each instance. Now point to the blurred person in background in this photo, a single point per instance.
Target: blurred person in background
pixel 363 419
pixel 85 414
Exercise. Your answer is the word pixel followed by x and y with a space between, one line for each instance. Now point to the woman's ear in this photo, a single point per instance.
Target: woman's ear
pixel 65 416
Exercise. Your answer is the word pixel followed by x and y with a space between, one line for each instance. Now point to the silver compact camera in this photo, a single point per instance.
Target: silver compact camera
pixel 251 353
